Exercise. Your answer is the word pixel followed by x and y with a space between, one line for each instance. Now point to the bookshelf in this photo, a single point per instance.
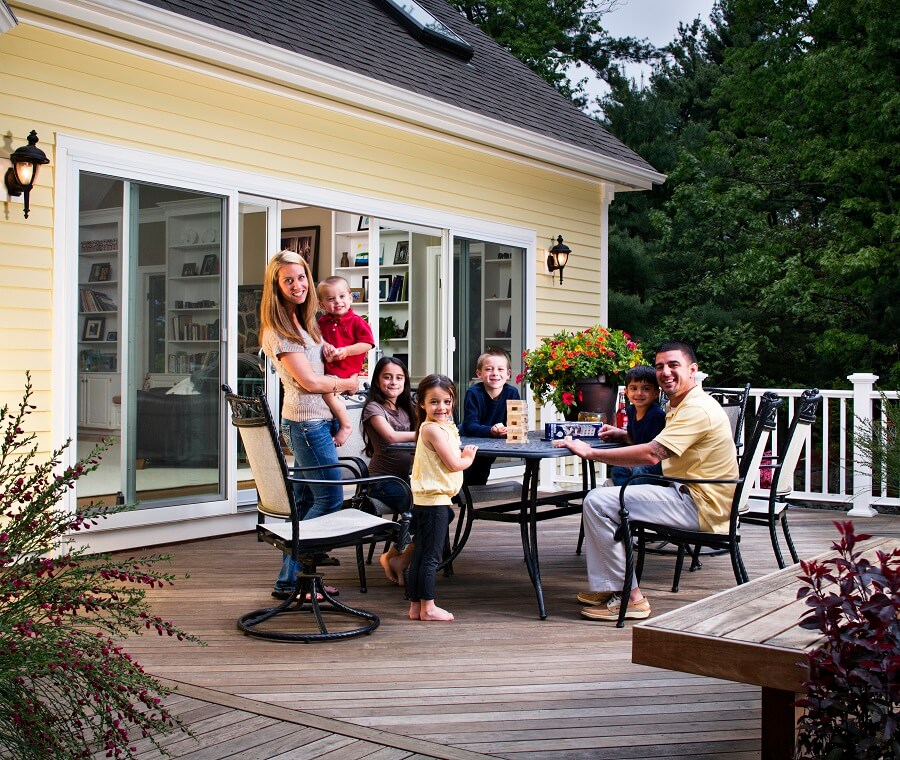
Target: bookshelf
pixel 99 302
pixel 194 284
pixel 383 286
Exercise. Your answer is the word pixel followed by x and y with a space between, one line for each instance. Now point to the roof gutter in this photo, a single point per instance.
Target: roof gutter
pixel 200 41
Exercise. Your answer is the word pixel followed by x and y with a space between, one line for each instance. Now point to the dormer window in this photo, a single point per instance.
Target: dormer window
pixel 427 29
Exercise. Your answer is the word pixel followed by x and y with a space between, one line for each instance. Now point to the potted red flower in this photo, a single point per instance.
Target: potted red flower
pixel 566 368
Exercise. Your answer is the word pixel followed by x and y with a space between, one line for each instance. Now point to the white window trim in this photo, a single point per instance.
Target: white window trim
pixel 76 154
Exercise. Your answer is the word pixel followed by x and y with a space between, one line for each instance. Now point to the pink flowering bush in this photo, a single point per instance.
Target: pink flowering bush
pixel 67 688
pixel 554 368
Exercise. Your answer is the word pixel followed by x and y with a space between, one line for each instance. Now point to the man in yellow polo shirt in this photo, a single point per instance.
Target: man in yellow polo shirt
pixel 697 442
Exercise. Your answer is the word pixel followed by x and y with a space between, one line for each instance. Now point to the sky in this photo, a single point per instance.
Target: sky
pixel 654 20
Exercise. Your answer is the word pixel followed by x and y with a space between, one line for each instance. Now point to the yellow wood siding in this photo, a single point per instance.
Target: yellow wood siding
pixel 55 83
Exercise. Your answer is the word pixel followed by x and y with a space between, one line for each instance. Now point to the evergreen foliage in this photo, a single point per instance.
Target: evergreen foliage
pixel 773 244
pixel 778 223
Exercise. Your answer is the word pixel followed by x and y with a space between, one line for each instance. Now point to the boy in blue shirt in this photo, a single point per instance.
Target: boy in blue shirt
pixel 646 418
pixel 484 409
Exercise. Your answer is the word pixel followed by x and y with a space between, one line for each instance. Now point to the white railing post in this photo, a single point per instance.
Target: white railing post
pixel 863 384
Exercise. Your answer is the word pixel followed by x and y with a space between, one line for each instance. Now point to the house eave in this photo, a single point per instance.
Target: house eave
pixel 165 30
pixel 7 17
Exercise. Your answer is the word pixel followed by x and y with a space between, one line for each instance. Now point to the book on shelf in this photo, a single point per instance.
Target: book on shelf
pixel 182 363
pixel 185 328
pixel 404 291
pixel 396 287
pixel 94 300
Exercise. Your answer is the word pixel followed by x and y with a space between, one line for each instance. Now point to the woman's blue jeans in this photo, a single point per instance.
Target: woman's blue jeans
pixel 312 445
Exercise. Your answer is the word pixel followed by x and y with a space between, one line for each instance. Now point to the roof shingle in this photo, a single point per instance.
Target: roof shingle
pixel 362 37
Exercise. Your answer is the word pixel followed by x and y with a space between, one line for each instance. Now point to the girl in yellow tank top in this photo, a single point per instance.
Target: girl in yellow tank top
pixel 436 479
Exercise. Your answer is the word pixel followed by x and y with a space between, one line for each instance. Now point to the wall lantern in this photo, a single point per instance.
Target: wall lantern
pixel 558 257
pixel 25 162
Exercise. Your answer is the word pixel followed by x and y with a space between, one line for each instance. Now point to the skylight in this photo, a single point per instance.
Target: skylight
pixel 426 28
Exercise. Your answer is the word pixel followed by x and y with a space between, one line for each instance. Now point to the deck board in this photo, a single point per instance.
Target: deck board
pixel 497 682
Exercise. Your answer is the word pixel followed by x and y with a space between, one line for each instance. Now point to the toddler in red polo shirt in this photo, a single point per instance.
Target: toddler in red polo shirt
pixel 347 337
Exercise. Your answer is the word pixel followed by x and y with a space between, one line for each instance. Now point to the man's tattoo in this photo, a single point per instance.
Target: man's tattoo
pixel 659 450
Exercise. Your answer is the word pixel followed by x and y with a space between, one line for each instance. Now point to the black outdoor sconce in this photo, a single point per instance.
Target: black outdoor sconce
pixel 558 257
pixel 25 162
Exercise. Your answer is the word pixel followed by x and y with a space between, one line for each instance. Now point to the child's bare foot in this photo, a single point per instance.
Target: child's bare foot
pixel 434 614
pixel 342 435
pixel 413 610
pixel 385 561
pixel 398 564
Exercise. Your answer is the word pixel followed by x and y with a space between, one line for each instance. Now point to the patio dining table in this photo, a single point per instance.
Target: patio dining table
pixel 528 509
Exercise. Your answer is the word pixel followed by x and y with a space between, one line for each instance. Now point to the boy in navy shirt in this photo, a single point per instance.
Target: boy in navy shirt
pixel 484 409
pixel 646 418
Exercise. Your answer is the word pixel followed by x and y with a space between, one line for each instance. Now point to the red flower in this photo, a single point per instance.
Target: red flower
pixel 568 399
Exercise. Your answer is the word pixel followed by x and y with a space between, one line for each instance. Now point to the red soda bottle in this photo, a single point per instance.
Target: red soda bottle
pixel 621 417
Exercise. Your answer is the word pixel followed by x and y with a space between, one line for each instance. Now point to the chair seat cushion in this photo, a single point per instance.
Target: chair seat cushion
pixel 344 526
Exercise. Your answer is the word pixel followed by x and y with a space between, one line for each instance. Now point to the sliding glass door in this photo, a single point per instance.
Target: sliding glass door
pixel 151 354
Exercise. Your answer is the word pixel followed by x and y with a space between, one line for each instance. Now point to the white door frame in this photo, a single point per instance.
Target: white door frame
pixel 75 155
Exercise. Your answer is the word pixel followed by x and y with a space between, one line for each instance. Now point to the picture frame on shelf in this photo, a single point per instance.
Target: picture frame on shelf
pixel 357 295
pixel 189 269
pixel 384 287
pixel 401 254
pixel 112 336
pixel 93 329
pixel 363 224
pixel 100 272
pixel 210 264
pixel 305 241
pixel 362 259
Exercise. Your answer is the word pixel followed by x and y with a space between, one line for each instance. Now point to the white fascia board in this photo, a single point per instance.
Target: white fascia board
pixel 7 18
pixel 192 39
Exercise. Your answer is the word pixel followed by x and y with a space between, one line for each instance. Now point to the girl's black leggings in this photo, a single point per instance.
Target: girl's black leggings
pixel 431 534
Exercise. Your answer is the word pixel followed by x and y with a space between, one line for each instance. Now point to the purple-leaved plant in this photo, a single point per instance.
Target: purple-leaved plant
pixel 67 687
pixel 853 692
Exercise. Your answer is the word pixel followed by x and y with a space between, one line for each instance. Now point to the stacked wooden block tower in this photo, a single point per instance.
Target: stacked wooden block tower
pixel 516 422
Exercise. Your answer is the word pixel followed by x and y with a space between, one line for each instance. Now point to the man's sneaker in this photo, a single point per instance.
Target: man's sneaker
pixel 593 598
pixel 610 610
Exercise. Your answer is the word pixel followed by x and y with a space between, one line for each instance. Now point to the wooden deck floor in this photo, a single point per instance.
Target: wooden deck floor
pixel 498 682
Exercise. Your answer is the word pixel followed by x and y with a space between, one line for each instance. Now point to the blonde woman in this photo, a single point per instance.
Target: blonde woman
pixel 291 339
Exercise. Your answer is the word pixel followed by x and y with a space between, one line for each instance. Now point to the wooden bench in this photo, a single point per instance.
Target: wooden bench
pixel 748 634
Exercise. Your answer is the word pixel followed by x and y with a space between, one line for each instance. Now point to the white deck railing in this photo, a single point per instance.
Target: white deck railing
pixel 826 471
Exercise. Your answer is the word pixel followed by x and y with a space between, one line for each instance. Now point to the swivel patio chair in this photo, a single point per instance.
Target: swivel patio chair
pixel 304 540
pixel 748 466
pixel 773 508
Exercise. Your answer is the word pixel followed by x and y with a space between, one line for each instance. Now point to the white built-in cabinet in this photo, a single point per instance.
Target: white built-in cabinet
pixel 501 296
pixel 386 294
pixel 193 283
pixel 99 308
